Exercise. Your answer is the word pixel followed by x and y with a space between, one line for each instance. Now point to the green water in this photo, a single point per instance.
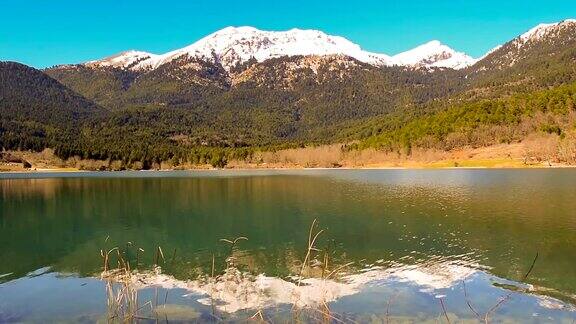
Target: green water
pixel 492 220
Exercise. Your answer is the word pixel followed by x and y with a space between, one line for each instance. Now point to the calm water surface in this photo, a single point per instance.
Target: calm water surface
pixel 413 238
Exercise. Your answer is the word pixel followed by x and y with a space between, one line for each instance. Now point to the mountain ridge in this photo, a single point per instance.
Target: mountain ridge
pixel 237 45
pixel 233 46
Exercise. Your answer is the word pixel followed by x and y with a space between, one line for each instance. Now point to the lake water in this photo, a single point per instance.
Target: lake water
pixel 396 245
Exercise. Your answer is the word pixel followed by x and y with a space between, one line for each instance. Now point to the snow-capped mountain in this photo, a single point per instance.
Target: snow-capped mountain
pixel 544 40
pixel 236 45
pixel 433 54
pixel 232 46
pixel 544 30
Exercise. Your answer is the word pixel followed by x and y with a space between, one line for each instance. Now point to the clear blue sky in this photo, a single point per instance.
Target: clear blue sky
pixel 43 33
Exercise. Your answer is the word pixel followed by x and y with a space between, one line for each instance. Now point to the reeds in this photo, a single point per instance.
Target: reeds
pixel 312 237
pixel 323 308
pixel 230 260
pixel 121 293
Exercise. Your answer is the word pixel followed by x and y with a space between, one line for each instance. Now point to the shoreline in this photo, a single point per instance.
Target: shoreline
pixel 298 168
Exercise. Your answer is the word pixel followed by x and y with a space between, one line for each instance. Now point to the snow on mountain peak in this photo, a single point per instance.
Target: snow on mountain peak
pixel 433 54
pixel 236 45
pixel 543 30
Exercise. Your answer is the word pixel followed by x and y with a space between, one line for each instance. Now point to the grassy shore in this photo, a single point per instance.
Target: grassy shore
pixel 442 164
pixel 515 155
pixel 508 155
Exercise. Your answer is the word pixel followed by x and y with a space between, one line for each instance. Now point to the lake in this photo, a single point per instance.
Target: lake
pixel 395 245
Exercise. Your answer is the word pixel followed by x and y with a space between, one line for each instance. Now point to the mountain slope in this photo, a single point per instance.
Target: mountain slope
pixel 37 111
pixel 30 94
pixel 103 85
pixel 543 56
pixel 336 87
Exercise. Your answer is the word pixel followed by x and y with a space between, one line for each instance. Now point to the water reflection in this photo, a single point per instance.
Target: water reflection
pixel 494 221
pixel 382 293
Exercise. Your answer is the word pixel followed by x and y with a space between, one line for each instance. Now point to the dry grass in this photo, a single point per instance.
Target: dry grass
pixel 122 300
pixel 121 295
pixel 307 269
pixel 231 259
pixel 11 167
pixel 537 149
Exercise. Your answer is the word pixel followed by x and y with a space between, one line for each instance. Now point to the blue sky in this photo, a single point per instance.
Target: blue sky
pixel 43 33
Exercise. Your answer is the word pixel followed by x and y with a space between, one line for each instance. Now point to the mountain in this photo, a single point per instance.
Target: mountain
pixel 543 56
pixel 234 46
pixel 30 94
pixel 540 42
pixel 544 32
pixel 241 89
pixel 313 91
pixel 37 111
pixel 307 80
pixel 240 57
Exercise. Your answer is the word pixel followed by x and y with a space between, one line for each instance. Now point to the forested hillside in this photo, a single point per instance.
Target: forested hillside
pixel 482 122
pixel 37 111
